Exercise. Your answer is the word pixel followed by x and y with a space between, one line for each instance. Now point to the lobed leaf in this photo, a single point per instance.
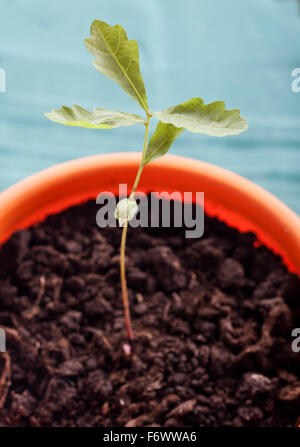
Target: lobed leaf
pixel 117 58
pixel 161 141
pixel 210 119
pixel 97 119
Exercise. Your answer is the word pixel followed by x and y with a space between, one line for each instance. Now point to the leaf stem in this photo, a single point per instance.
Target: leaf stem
pixel 126 307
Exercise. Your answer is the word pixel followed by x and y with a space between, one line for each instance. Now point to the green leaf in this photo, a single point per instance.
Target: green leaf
pixel 161 141
pixel 117 58
pixel 211 119
pixel 97 119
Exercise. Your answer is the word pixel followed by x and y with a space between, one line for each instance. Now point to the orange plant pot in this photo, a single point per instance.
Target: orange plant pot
pixel 237 201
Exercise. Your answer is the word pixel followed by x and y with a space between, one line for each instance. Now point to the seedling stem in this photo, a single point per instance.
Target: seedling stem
pixel 123 241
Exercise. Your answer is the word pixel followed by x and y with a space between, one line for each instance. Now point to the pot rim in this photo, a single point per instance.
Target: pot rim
pixel 235 199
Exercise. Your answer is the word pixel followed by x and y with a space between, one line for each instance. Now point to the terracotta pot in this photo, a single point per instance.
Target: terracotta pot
pixel 237 201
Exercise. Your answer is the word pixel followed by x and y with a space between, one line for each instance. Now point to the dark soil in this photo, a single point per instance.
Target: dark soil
pixel 212 319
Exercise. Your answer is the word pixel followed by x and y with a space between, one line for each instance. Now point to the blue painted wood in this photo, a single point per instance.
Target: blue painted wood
pixel 242 52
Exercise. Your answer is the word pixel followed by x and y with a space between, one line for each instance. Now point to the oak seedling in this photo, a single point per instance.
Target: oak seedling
pixel 118 58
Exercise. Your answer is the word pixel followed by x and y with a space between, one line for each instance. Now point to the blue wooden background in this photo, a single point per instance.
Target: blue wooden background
pixel 239 51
